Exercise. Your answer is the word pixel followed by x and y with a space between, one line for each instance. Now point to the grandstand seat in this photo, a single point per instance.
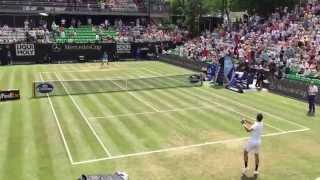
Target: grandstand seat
pixel 85 34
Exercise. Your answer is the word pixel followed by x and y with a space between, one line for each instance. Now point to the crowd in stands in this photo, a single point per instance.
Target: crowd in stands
pixel 126 31
pixel 287 41
pixel 85 5
pixel 119 5
pixel 150 33
pixel 68 32
pixel 28 33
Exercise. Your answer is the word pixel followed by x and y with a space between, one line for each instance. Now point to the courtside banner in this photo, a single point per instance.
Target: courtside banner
pixel 25 50
pixel 184 62
pixel 72 51
pixel 291 88
pixel 44 88
pixel 6 95
pixel 123 48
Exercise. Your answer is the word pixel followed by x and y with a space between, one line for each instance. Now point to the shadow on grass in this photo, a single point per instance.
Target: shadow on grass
pixel 214 86
pixel 244 177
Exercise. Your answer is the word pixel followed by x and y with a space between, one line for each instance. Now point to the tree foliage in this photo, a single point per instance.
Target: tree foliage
pixel 193 9
pixel 178 7
pixel 262 7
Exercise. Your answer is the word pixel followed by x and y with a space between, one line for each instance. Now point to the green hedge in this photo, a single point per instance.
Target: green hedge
pixel 302 78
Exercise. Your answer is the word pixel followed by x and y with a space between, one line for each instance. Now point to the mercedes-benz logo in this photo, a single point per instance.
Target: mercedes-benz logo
pixel 56 48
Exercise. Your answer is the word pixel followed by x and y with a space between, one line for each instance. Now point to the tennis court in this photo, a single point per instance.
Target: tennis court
pixel 101 126
pixel 169 133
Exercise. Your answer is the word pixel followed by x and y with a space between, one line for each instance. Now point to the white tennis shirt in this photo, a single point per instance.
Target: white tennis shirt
pixel 256 132
pixel 313 90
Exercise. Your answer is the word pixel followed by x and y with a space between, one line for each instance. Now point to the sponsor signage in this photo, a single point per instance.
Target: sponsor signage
pixel 123 48
pixel 83 47
pixel 61 52
pixel 116 176
pixel 7 95
pixel 144 49
pixel 25 50
pixel 58 48
pixel 44 88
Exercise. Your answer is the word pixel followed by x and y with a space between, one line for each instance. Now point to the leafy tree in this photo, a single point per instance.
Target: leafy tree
pixel 193 9
pixel 193 14
pixel 178 7
pixel 262 7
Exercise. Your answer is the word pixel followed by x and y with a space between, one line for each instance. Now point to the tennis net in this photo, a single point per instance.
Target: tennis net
pixel 77 87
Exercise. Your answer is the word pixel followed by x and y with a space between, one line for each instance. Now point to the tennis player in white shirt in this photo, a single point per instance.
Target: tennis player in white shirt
pixel 254 142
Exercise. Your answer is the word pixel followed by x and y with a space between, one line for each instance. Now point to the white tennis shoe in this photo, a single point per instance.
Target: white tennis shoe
pixel 245 170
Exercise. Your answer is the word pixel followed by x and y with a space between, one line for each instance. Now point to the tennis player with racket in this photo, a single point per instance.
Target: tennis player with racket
pixel 105 60
pixel 254 142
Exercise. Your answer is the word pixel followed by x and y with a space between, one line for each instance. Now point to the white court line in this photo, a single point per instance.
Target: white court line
pixel 73 80
pixel 84 117
pixel 116 78
pixel 93 70
pixel 138 98
pixel 237 112
pixel 259 110
pixel 183 147
pixel 176 148
pixel 153 112
pixel 179 110
pixel 244 105
pixel 144 102
pixel 59 127
pixel 221 105
pixel 153 72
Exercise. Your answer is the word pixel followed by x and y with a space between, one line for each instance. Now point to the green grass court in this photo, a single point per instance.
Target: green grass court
pixel 174 134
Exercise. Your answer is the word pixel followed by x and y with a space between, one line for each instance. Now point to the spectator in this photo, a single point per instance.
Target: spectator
pixel 26 24
pixel 63 22
pixel 89 21
pixel 312 93
pixel 98 39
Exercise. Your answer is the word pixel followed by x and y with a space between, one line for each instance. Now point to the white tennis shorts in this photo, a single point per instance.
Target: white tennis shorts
pixel 252 147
